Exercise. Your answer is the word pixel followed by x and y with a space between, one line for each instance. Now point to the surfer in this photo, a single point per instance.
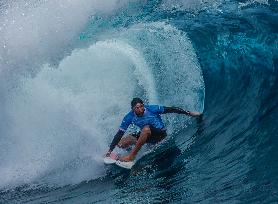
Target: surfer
pixel 152 128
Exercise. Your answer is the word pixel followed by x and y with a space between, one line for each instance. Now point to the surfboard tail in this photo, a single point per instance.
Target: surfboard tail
pixel 126 165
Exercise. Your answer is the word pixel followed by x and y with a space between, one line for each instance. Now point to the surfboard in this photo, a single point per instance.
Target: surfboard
pixel 126 165
pixel 115 155
pixel 113 159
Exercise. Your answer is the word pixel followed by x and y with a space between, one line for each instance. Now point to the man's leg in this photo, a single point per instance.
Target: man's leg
pixel 145 133
pixel 125 142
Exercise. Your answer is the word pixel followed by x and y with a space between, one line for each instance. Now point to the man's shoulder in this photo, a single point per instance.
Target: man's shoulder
pixel 154 108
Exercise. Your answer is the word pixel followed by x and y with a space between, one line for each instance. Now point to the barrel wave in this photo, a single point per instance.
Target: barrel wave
pixel 65 87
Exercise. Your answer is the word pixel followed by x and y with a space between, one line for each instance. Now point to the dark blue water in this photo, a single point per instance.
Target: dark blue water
pixel 217 57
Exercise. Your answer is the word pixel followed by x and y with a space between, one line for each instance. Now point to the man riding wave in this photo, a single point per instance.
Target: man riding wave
pixel 152 128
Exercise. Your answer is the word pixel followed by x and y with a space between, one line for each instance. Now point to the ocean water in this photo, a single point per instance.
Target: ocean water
pixel 68 70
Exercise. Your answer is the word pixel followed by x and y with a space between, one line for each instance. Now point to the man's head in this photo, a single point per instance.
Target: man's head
pixel 137 105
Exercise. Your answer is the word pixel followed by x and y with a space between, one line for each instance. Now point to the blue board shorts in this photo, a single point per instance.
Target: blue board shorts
pixel 156 135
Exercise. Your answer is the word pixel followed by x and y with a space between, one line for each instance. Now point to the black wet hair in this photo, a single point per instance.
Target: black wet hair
pixel 135 101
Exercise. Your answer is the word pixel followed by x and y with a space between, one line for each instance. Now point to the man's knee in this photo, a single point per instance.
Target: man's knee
pixel 126 141
pixel 123 142
pixel 146 130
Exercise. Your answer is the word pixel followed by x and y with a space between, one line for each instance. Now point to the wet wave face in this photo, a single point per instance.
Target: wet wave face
pixel 69 69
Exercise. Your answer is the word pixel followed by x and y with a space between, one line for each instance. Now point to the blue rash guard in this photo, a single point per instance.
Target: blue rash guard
pixel 150 117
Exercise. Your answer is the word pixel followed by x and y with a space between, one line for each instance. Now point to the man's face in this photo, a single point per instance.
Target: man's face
pixel 139 109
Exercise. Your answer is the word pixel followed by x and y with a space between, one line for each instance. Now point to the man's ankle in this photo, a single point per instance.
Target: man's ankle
pixel 132 156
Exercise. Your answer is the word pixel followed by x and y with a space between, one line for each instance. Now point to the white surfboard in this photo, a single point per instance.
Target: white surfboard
pixel 114 156
pixel 111 159
pixel 108 160
pixel 126 165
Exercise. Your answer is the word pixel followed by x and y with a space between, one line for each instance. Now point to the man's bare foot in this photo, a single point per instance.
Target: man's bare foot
pixel 108 153
pixel 127 158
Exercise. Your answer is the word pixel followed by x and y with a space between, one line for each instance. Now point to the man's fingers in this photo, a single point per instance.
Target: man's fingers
pixel 195 114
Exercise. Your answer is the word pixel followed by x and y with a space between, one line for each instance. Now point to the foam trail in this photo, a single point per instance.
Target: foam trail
pixel 31 34
pixel 74 110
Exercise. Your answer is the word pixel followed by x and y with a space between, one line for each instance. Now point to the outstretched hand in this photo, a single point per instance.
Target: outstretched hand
pixel 195 114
